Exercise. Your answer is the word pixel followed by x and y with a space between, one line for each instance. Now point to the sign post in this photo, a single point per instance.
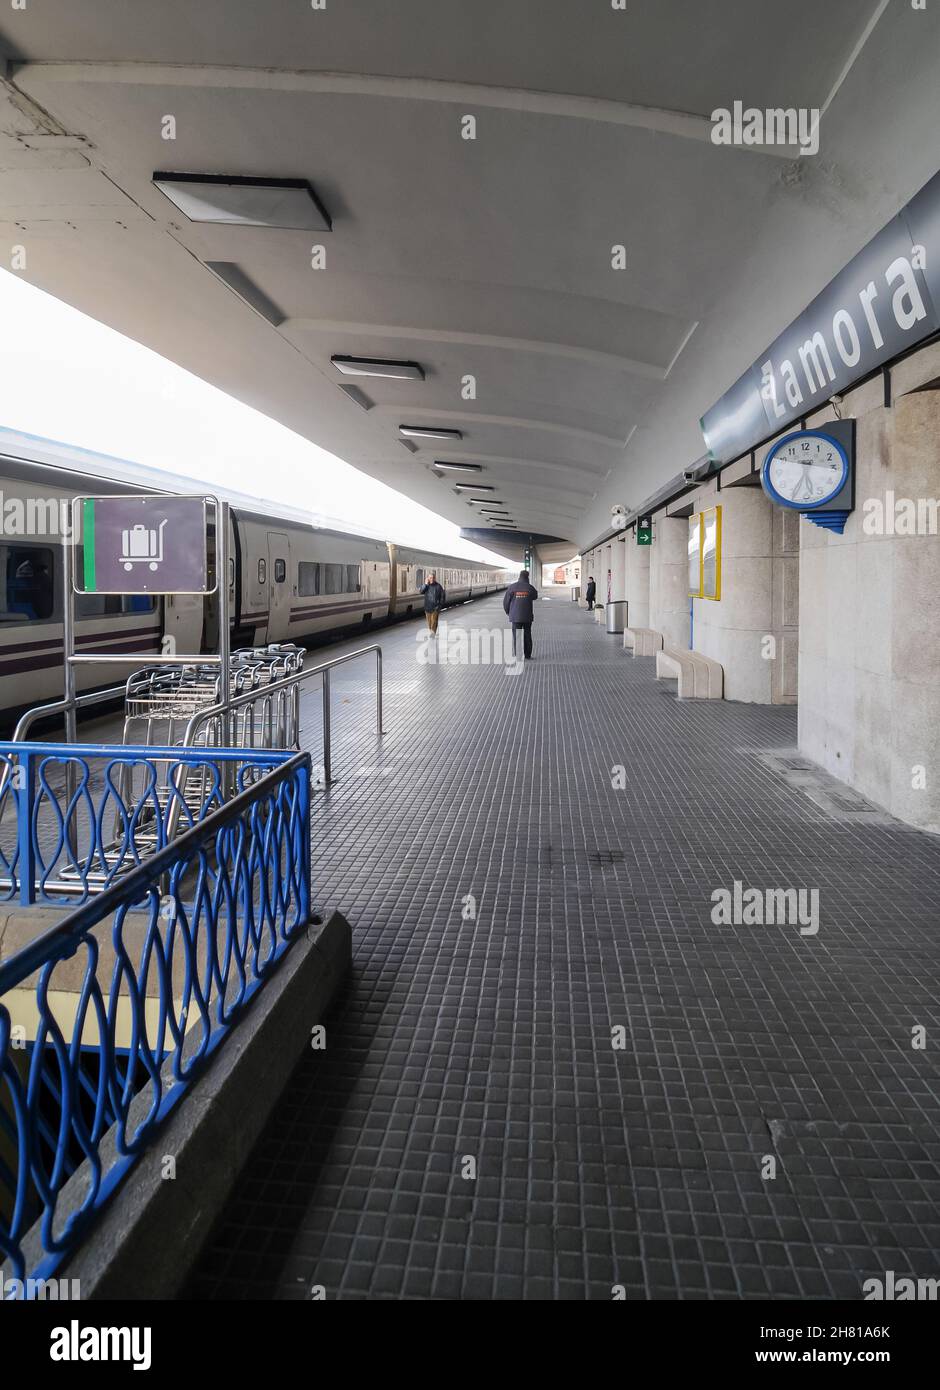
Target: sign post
pixel 155 545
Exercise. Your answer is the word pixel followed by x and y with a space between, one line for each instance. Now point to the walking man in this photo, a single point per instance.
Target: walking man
pixel 434 600
pixel 517 602
pixel 590 593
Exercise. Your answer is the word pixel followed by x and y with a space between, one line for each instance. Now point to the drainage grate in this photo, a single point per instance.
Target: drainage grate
pixel 605 857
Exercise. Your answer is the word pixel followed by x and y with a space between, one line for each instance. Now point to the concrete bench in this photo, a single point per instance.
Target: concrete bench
pixel 700 678
pixel 642 641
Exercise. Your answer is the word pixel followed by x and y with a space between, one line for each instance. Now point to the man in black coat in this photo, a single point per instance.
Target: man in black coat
pixel 590 593
pixel 434 600
pixel 517 602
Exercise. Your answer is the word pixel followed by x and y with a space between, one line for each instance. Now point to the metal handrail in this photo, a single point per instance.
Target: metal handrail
pixel 289 683
pixel 89 697
pixel 207 951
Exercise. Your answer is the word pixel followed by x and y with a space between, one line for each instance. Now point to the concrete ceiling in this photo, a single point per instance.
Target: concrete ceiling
pixel 490 257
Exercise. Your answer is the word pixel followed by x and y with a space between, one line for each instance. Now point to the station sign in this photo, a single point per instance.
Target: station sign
pixel 142 545
pixel 885 301
pixel 644 530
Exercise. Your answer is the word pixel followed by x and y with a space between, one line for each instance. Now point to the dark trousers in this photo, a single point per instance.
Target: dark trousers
pixel 590 604
pixel 526 630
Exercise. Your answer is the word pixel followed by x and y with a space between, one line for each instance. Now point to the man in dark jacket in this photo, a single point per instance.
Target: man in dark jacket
pixel 590 592
pixel 434 600
pixel 517 602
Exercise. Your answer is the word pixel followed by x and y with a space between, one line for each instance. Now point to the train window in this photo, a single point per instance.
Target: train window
pixel 28 593
pixel 308 579
pixel 352 579
pixel 97 605
pixel 419 579
pixel 334 579
pixel 262 571
pixel 280 571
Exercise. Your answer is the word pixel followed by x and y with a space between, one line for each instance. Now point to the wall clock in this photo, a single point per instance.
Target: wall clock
pixel 813 472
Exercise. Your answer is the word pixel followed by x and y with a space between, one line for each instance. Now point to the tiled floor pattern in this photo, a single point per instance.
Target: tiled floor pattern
pixel 487 1038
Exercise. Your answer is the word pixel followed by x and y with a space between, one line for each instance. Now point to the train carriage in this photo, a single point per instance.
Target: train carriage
pixel 288 579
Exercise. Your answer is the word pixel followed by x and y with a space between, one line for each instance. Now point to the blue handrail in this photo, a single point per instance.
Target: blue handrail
pixel 197 928
pixel 86 814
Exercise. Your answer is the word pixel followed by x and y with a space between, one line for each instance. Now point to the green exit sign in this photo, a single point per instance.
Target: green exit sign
pixel 644 530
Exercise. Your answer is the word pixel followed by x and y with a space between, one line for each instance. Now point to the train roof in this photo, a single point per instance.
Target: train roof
pixel 81 468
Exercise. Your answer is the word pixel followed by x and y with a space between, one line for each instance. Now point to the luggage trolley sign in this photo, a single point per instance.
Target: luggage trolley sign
pixel 142 545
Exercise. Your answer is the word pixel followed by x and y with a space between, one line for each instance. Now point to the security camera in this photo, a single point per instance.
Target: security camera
pixel 690 475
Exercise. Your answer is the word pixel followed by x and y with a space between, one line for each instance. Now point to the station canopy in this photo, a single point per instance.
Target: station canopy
pixel 520 200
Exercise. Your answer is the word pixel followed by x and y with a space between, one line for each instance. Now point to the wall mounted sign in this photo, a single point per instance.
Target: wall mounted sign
pixel 644 530
pixel 885 301
pixel 813 472
pixel 142 545
pixel 696 577
pixel 711 553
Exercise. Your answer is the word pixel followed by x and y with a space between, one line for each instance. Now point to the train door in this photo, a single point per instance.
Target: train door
pixel 279 589
pixel 182 623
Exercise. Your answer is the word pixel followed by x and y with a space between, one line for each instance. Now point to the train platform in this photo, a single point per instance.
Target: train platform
pixel 552 1074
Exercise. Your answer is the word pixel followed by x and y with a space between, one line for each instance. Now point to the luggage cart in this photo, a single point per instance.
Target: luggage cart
pixel 158 705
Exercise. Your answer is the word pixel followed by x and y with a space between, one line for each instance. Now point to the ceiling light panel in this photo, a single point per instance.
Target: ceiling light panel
pixel 378 366
pixel 426 432
pixel 247 202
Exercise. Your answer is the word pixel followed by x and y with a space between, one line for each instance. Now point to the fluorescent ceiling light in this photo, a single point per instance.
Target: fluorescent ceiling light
pixel 474 487
pixel 356 395
pixel 241 284
pixel 246 202
pixel 378 366
pixel 423 432
pixel 464 467
pixel 484 501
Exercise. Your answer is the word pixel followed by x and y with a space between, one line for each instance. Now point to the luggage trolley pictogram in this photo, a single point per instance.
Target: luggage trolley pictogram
pixel 142 545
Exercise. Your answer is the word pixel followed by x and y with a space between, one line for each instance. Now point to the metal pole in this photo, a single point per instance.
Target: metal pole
pixel 225 634
pixel 327 768
pixel 378 691
pixel 68 628
pixel 68 686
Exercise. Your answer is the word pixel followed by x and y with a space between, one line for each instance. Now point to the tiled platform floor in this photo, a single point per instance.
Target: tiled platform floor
pixel 492 1038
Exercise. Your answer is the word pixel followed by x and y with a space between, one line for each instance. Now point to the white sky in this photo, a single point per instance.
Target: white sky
pixel 69 378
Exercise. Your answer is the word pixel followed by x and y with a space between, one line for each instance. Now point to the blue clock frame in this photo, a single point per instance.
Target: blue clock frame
pixel 829 512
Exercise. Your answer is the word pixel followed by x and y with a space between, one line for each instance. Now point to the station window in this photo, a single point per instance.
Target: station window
pixel 308 579
pixel 262 571
pixel 280 571
pixel 28 592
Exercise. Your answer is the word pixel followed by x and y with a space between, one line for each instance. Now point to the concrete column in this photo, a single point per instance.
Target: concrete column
pixel 733 629
pixel 638 580
pixel 869 682
pixel 785 599
pixel 618 564
pixel 669 588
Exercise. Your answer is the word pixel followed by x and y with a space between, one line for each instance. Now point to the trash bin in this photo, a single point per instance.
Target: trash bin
pixel 575 592
pixel 616 615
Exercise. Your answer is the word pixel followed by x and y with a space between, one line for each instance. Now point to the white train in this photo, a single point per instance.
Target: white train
pixel 288 580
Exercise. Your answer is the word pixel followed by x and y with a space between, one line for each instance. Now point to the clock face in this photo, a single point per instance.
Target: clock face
pixel 806 470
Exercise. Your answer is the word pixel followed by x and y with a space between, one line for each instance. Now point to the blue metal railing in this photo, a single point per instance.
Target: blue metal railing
pixel 197 928
pixel 76 817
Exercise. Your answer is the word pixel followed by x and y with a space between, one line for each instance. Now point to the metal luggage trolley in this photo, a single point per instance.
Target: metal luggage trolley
pixel 160 701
